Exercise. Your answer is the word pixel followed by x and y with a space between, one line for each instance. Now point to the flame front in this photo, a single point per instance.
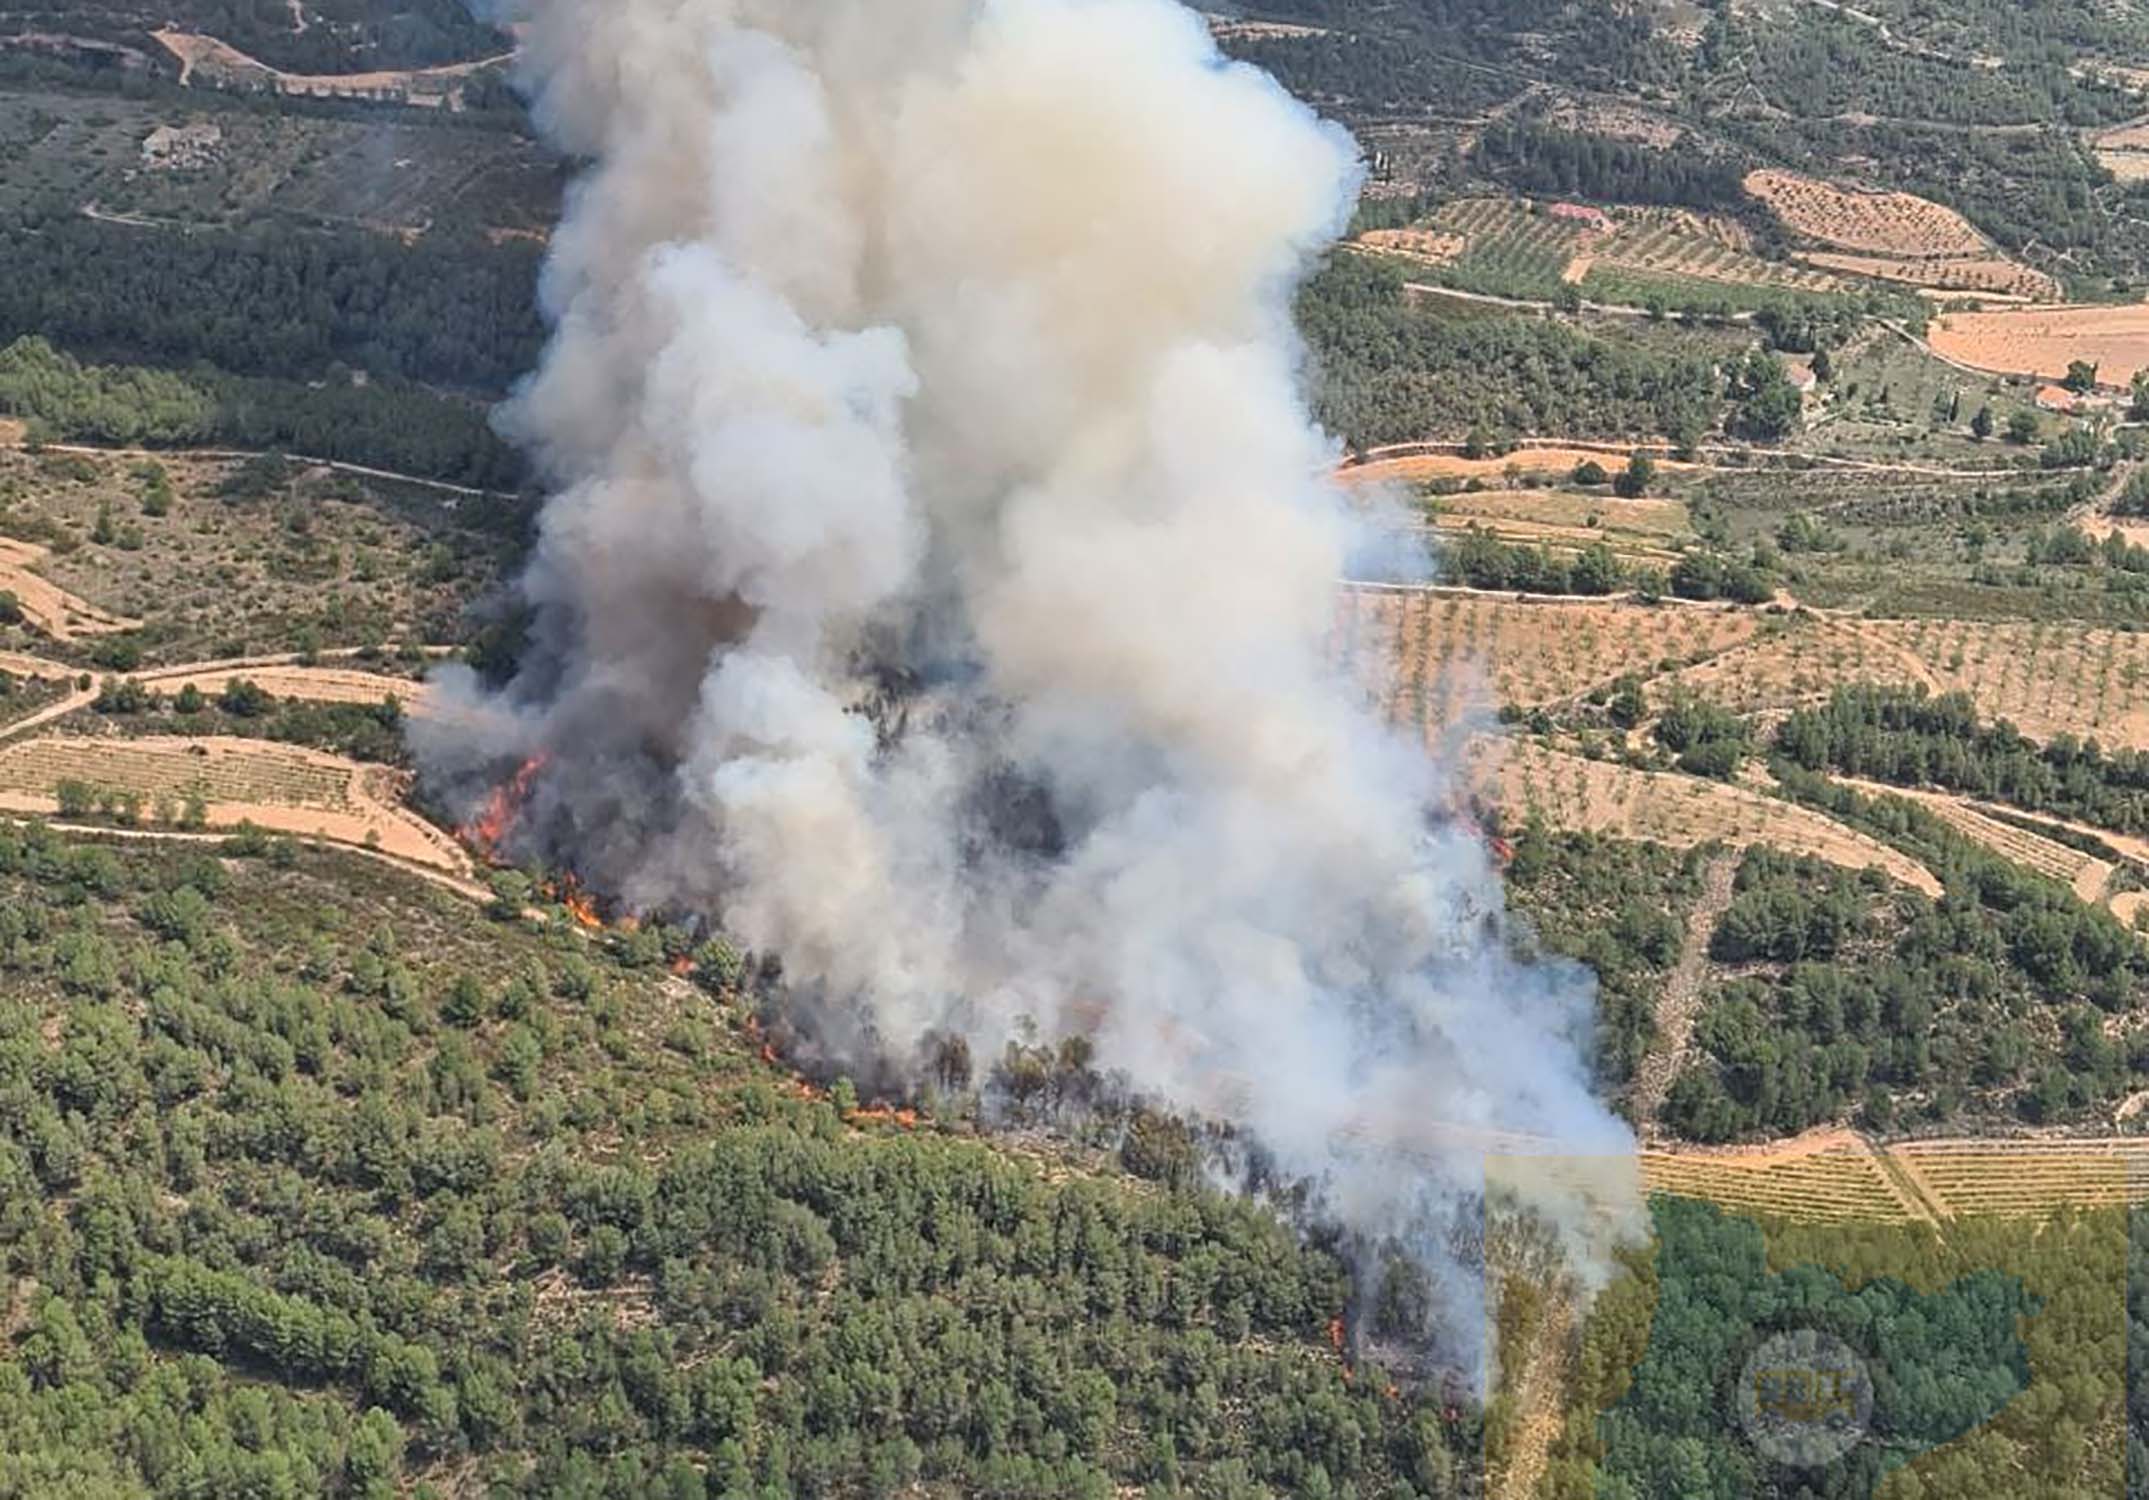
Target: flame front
pixel 503 809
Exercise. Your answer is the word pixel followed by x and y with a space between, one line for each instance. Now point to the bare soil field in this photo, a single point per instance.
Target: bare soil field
pixel 1681 812
pixel 1442 658
pixel 1989 275
pixel 280 788
pixel 1885 224
pixel 2043 340
pixel 50 609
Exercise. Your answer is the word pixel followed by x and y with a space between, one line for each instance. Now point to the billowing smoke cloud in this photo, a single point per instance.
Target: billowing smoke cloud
pixel 936 358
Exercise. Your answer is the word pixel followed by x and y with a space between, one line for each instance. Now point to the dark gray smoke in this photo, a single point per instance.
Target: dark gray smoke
pixel 938 355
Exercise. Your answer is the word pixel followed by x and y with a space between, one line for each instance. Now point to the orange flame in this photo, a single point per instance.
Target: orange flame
pixel 1335 1334
pixel 490 828
pixel 682 967
pixel 880 1114
pixel 582 909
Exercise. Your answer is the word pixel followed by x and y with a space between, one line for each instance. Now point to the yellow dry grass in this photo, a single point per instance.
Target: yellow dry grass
pixel 1573 792
pixel 2042 341
pixel 1887 224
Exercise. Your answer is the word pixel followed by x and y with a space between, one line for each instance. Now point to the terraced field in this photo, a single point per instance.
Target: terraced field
pixel 1678 246
pixel 1831 1178
pixel 1884 224
pixel 2046 679
pixel 1572 792
pixel 280 788
pixel 2087 876
pixel 304 684
pixel 1990 276
pixel 1442 657
pixel 1965 1178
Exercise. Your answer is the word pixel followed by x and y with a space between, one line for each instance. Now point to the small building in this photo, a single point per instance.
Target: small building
pixel 2057 398
pixel 1581 213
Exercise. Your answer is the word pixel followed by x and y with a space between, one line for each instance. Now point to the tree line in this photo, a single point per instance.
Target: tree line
pixel 386 424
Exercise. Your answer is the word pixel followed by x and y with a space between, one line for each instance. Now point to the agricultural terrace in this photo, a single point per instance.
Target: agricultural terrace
pixel 222 783
pixel 1439 657
pixel 1883 224
pixel 1431 468
pixel 1795 660
pixel 1425 247
pixel 1968 1178
pixel 1509 249
pixel 2088 877
pixel 2046 678
pixel 1647 531
pixel 301 684
pixel 1839 1177
pixel 1831 1177
pixel 2124 151
pixel 1684 247
pixel 2043 341
pixel 1529 781
pixel 1983 276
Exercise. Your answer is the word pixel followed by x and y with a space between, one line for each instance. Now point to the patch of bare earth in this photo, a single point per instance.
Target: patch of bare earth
pixel 2043 341
pixel 50 609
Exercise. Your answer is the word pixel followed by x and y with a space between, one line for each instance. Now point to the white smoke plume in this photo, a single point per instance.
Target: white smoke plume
pixel 943 348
